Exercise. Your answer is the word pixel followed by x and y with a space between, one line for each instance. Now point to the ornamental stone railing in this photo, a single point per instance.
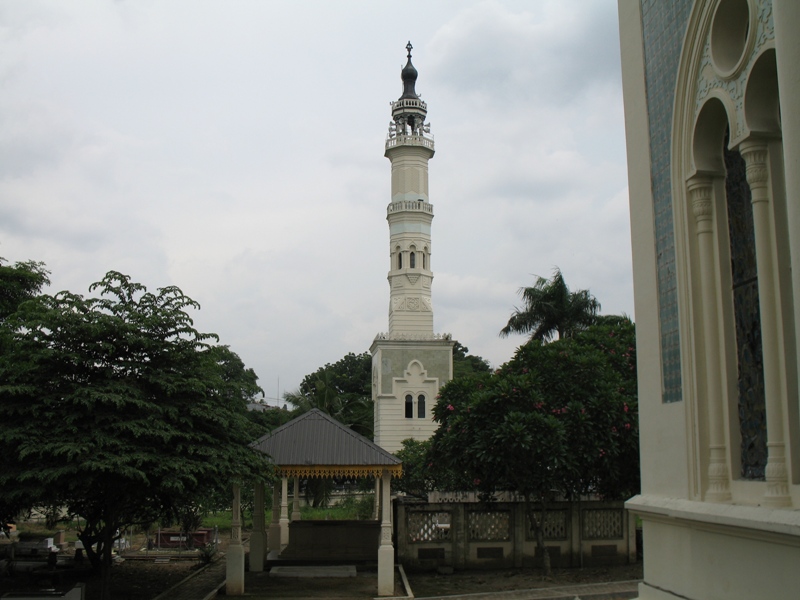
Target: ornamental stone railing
pixel 503 535
pixel 409 103
pixel 414 336
pixel 409 140
pixel 409 205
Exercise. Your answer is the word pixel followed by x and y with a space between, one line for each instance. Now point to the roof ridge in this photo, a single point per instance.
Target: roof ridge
pixel 287 448
pixel 361 438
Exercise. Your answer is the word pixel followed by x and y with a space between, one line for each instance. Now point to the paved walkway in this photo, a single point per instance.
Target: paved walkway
pixel 204 585
pixel 615 590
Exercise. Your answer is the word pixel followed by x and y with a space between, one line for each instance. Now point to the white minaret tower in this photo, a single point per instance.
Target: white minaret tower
pixel 409 146
pixel 410 362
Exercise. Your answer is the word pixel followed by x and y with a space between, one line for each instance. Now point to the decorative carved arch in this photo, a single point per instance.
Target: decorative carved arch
pixel 703 73
pixel 762 110
pixel 713 120
pixel 415 373
pixel 726 81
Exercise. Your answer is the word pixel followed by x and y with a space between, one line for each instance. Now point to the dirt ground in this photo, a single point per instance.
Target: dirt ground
pixel 131 580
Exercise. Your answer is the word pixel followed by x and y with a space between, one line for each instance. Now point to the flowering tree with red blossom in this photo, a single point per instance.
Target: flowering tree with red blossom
pixel 557 421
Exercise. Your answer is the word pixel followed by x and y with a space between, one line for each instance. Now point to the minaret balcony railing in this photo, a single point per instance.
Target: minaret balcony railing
pixel 414 336
pixel 409 103
pixel 409 205
pixel 409 140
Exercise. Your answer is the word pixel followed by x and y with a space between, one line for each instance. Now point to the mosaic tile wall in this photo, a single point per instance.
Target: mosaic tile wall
pixel 663 26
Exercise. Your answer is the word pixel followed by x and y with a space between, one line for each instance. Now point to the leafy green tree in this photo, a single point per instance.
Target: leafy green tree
pixel 558 420
pixel 417 479
pixel 241 381
pixel 550 309
pixel 268 419
pixel 465 364
pixel 342 390
pixel 598 368
pixel 116 408
pixel 20 282
pixel 422 474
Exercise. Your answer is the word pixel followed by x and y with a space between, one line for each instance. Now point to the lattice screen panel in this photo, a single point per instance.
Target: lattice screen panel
pixel 425 526
pixel 555 525
pixel 602 524
pixel 489 526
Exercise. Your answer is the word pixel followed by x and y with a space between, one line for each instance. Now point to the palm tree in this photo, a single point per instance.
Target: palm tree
pixel 343 390
pixel 551 309
pixel 317 391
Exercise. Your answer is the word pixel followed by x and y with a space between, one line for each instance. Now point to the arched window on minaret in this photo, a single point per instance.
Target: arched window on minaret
pixel 421 406
pixel 424 262
pixel 409 406
pixel 399 260
pixel 412 260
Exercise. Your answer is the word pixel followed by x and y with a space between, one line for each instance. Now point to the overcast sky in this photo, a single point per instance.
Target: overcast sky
pixel 235 149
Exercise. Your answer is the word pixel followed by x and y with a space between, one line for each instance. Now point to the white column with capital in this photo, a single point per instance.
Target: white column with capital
pixel 376 508
pixel 701 193
pixel 284 521
pixel 275 526
pixel 386 549
pixel 234 558
pixel 755 153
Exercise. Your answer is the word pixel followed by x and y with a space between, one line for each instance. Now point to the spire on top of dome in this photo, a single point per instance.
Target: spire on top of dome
pixel 409 77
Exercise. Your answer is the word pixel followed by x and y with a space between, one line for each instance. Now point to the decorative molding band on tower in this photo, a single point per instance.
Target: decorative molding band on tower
pixel 408 140
pixel 409 205
pixel 414 336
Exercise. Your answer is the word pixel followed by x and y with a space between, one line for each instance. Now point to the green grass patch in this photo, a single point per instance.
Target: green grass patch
pixel 220 520
pixel 33 530
pixel 350 508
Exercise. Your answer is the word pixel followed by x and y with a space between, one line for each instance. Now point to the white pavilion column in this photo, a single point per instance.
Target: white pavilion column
pixel 258 539
pixel 376 508
pixel 701 196
pixel 755 153
pixel 234 559
pixel 284 521
pixel 386 549
pixel 275 526
pixel 296 500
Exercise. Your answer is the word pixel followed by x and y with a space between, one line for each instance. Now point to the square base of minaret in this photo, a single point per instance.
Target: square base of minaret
pixel 406 377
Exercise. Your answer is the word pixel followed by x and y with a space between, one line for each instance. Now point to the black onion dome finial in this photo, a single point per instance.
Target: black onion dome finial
pixel 409 77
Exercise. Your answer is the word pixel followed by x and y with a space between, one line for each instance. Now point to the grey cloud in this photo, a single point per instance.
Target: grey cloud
pixel 237 151
pixel 516 56
pixel 33 136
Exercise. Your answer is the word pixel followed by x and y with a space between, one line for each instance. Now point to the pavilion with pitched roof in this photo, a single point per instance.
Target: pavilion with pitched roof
pixel 310 446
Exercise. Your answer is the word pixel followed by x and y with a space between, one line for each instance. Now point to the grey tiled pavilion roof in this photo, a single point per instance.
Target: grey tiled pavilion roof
pixel 317 445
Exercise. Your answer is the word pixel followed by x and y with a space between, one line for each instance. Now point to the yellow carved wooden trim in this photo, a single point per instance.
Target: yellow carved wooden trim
pixel 330 471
